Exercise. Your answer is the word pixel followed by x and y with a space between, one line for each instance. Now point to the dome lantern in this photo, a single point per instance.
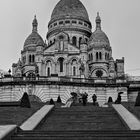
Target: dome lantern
pixel 98 21
pixel 35 24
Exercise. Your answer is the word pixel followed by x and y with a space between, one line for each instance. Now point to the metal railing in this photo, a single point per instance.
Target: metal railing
pixel 63 79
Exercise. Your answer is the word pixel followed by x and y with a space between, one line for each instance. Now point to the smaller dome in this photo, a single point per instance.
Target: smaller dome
pixel 34 38
pixel 98 36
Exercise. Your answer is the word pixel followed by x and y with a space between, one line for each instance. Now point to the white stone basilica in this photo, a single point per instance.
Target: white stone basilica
pixel 71 50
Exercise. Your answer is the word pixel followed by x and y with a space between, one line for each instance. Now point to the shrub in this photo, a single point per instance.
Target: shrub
pixel 25 102
pixel 51 102
pixel 59 99
pixel 110 100
pixel 137 103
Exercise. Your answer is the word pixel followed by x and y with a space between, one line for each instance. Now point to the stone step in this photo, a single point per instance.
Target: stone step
pixel 78 135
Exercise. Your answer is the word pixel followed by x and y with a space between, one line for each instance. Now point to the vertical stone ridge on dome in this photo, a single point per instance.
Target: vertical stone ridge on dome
pixel 35 24
pixel 70 9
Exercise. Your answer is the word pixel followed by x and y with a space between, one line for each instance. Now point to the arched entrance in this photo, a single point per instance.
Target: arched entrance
pixel 61 64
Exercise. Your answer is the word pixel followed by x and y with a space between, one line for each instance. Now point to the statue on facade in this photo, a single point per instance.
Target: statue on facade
pixel 82 67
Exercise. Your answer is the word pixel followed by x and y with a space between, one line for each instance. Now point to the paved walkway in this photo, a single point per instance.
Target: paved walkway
pixel 36 118
pixel 6 130
pixel 132 122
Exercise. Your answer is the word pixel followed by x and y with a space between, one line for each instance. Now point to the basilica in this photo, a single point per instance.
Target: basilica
pixel 71 48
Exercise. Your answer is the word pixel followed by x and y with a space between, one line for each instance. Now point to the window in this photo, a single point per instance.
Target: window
pixel 86 40
pixel 61 22
pixel 30 59
pixel 48 72
pixel 97 56
pixel 74 71
pixel 61 60
pixel 80 41
pixel 61 37
pixel 74 22
pixel 33 58
pixel 55 24
pixel 85 24
pixel 74 40
pixel 100 55
pixel 108 56
pixel 67 21
pixel 91 56
pixel 81 23
pixel 24 59
pixel 105 56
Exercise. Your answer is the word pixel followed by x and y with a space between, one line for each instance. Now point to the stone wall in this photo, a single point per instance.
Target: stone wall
pixel 45 92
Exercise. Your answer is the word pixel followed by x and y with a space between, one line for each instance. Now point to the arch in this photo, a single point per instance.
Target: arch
pixel 74 62
pixel 61 62
pixel 48 62
pixel 74 40
pixel 49 59
pixel 71 59
pixel 93 72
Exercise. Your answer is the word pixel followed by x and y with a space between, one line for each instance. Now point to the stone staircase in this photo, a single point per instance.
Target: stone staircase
pixel 80 123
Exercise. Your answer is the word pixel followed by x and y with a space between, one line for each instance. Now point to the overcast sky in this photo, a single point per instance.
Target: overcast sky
pixel 120 21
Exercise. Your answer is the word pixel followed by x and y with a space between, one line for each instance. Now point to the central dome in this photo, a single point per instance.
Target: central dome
pixel 69 9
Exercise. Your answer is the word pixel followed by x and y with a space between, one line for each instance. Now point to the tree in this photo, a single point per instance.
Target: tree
pixel 137 103
pixel 59 99
pixel 51 102
pixel 110 100
pixel 25 102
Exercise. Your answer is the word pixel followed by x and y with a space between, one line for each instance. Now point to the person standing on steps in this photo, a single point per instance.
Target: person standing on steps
pixel 94 98
pixel 84 98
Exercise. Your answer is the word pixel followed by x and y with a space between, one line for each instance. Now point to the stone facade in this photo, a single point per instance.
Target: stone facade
pixel 70 52
pixel 71 49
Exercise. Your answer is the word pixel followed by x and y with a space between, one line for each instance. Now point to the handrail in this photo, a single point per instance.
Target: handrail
pixel 63 79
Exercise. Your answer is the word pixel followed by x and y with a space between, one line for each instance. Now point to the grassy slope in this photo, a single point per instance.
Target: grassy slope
pixel 132 108
pixel 17 115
